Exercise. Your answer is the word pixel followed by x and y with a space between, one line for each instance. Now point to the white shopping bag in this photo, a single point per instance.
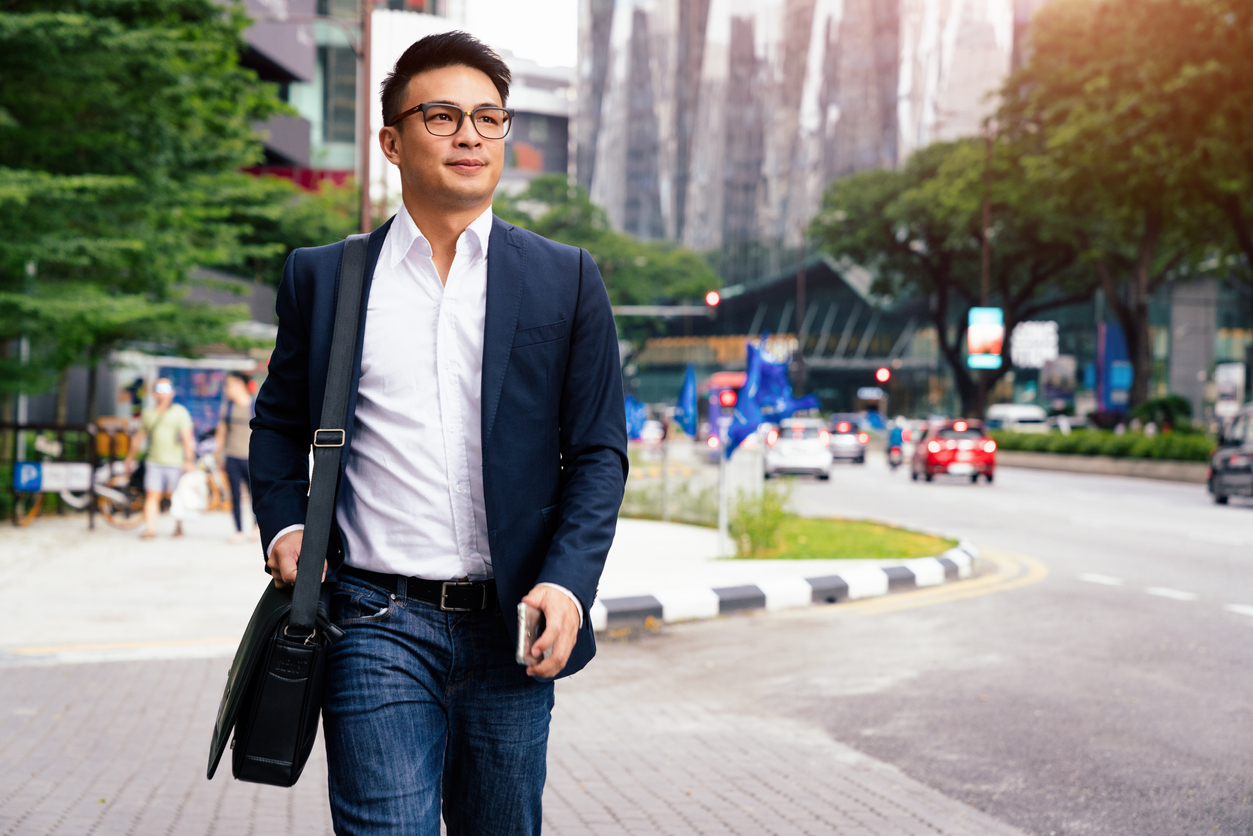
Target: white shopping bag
pixel 191 496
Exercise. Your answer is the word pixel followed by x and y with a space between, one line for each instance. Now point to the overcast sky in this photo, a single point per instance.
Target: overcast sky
pixel 546 31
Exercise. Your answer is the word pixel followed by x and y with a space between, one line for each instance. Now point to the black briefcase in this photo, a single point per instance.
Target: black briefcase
pixel 273 696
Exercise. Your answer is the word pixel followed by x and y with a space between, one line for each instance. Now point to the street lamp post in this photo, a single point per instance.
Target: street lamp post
pixel 363 114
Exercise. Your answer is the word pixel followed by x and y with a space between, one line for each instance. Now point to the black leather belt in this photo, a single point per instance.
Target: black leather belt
pixel 449 596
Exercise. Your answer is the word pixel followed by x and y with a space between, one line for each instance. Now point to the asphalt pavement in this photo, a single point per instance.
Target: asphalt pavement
pixel 1112 697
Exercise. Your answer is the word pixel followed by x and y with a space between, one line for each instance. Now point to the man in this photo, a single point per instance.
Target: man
pixel 483 463
pixel 231 444
pixel 171 452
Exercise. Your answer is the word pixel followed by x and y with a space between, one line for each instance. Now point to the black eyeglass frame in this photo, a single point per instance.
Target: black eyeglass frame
pixel 461 118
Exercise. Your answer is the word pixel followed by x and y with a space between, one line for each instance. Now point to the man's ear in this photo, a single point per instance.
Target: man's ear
pixel 389 141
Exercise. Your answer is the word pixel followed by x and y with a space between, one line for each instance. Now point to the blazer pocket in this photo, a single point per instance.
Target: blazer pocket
pixel 550 518
pixel 539 334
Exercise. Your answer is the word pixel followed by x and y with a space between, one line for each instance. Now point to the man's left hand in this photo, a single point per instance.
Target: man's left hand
pixel 561 629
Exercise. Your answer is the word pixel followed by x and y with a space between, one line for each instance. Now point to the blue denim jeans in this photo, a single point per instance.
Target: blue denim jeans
pixel 422 703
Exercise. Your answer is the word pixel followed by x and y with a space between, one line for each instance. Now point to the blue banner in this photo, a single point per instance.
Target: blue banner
pixel 636 415
pixel 765 396
pixel 685 412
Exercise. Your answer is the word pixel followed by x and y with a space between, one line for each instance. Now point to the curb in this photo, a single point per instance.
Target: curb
pixel 1167 471
pixel 690 603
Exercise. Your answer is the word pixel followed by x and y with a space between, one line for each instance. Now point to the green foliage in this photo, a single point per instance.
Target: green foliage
pixel 635 272
pixel 1166 446
pixel 123 124
pixel 1173 411
pixel 756 520
pixel 1137 115
pixel 273 216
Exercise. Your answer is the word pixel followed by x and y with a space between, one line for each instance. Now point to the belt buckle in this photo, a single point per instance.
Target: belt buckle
pixel 443 597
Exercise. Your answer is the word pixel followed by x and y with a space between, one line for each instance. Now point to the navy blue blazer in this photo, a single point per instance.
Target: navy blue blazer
pixel 554 427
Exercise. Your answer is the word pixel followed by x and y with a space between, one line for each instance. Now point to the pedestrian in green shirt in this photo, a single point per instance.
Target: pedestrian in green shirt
pixel 171 452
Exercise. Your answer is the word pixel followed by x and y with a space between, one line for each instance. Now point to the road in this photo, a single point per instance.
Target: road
pixel 1113 697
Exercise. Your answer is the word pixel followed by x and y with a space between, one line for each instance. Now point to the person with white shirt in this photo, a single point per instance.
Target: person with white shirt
pixel 483 464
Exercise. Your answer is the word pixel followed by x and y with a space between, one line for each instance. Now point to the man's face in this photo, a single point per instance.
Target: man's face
pixel 164 392
pixel 458 171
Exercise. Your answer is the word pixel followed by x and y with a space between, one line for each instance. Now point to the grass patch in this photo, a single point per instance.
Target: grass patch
pixel 810 538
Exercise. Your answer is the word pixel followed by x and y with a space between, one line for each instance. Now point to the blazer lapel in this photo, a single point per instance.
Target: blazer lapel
pixel 506 267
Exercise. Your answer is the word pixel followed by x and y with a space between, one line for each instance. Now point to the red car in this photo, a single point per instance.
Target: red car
pixel 958 448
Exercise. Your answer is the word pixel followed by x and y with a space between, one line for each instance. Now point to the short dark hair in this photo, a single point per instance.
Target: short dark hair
pixel 434 52
pixel 243 378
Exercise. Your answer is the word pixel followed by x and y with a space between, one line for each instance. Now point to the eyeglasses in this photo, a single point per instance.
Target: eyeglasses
pixel 445 120
pixel 163 388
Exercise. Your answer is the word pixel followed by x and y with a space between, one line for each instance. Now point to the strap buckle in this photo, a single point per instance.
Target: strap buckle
pixel 323 438
pixel 443 597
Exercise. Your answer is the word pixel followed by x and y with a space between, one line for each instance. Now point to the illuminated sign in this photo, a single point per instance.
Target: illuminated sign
pixel 985 336
pixel 1032 344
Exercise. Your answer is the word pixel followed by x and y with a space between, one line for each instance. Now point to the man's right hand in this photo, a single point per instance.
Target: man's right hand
pixel 284 557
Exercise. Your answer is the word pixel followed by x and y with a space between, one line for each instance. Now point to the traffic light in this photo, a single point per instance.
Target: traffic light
pixel 712 298
pixel 883 375
pixel 726 398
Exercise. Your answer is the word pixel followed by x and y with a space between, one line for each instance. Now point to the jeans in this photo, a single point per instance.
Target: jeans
pixel 236 477
pixel 421 703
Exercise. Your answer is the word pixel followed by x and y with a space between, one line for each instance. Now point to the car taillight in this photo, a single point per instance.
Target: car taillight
pixel 907 435
pixel 772 437
pixel 825 438
pixel 1238 461
pixel 933 446
pixel 713 442
pixel 990 446
pixel 863 438
pixel 842 427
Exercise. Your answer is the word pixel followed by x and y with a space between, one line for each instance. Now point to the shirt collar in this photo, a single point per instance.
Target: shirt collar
pixel 408 236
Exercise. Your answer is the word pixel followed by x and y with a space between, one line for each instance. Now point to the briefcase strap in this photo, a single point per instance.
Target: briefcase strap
pixel 329 437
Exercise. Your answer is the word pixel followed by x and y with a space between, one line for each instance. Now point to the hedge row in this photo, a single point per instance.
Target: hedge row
pixel 1186 447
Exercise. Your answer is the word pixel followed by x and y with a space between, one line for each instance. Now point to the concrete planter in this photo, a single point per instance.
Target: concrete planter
pixel 1106 466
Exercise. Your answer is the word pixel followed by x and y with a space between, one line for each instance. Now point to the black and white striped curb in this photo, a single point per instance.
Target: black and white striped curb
pixel 687 603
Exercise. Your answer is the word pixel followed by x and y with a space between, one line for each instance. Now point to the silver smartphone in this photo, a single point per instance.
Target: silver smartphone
pixel 530 628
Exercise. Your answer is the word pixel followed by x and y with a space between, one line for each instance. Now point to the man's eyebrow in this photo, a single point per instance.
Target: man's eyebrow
pixel 454 104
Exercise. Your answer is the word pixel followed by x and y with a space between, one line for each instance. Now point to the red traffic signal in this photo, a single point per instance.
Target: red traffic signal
pixel 727 398
pixel 883 375
pixel 712 298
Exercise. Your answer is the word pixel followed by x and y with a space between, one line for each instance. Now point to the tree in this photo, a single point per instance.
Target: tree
pixel 919 230
pixel 1131 117
pixel 635 272
pixel 274 217
pixel 122 126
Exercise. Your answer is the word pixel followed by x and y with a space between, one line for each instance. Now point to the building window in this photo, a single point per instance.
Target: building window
pixel 339 95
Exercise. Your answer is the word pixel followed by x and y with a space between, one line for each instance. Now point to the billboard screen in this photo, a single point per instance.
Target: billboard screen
pixel 985 335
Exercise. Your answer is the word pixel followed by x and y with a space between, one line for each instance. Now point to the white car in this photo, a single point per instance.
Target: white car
pixel 799 445
pixel 1019 417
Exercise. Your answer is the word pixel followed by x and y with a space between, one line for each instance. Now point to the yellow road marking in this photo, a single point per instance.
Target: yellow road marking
pixel 1012 572
pixel 50 649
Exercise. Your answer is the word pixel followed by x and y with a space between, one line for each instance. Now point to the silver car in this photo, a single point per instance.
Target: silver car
pixel 848 437
pixel 799 445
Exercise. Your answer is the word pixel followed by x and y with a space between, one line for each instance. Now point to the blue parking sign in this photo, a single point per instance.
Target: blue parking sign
pixel 27 477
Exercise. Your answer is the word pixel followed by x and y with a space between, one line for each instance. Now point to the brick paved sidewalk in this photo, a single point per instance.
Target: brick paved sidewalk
pixel 120 748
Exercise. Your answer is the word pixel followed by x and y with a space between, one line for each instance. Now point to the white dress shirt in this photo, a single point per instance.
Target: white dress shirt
pixel 411 501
